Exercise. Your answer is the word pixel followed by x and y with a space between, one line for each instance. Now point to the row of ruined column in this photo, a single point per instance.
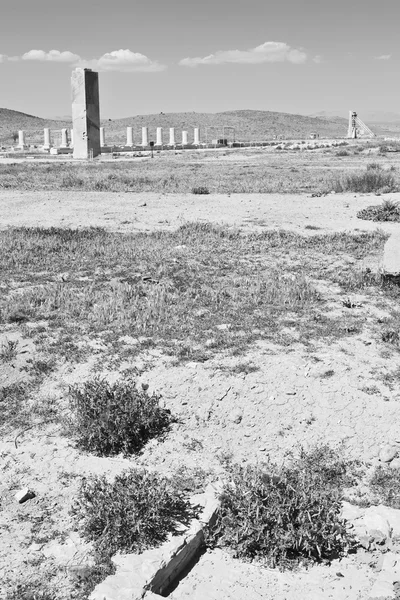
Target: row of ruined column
pixel 67 138
pixel 159 137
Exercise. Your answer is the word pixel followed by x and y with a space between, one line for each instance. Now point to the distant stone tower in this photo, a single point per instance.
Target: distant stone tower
pixel 85 113
pixel 357 128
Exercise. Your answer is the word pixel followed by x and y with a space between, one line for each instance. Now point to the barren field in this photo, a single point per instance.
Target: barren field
pixel 260 319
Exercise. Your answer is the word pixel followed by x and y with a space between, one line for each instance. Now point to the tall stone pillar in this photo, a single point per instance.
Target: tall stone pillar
pixel 71 138
pixel 184 138
pixel 85 113
pixel 196 137
pixel 172 136
pixel 64 138
pixel 129 136
pixel 21 140
pixel 145 136
pixel 102 137
pixel 159 136
pixel 47 142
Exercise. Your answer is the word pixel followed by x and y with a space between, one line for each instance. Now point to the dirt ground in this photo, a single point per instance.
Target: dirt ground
pixel 126 212
pixel 287 401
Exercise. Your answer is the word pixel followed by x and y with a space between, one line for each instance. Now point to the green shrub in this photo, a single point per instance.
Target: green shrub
pixel 134 512
pixel 200 190
pixel 387 211
pixel 283 518
pixel 372 180
pixel 342 153
pixel 374 166
pixel 385 485
pixel 114 418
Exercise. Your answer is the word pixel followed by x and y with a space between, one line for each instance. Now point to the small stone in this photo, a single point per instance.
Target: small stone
pixel 24 495
pixel 395 463
pixel 236 416
pixel 382 589
pixel 224 326
pixel 145 387
pixel 262 449
pixel 387 453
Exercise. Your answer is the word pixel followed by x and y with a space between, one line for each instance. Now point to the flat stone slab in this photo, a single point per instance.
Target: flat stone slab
pixel 391 255
pixel 156 570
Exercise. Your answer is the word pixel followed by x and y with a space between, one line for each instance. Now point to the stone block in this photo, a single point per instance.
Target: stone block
pixel 154 571
pixel 85 113
pixel 391 256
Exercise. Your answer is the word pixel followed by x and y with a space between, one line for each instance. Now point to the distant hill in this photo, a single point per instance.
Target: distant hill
pixel 249 125
pixel 12 120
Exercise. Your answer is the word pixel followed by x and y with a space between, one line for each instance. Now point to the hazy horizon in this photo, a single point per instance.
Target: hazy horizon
pixel 214 56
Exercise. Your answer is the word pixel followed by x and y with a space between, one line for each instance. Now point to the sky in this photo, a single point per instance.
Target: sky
pixel 297 56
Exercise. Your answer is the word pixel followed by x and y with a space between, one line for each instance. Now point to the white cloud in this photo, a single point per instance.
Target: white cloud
pixel 52 56
pixel 123 60
pixel 270 52
pixel 383 57
pixel 117 60
pixel 318 59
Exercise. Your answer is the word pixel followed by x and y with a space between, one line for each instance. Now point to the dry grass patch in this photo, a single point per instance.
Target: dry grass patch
pixel 192 293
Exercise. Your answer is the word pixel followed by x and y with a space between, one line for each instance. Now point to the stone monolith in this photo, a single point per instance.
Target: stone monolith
pixel 172 136
pixel 85 113
pixel 196 137
pixel 184 138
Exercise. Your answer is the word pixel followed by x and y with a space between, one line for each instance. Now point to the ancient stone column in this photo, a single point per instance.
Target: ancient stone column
pixel 159 136
pixel 184 138
pixel 145 136
pixel 102 137
pixel 129 136
pixel 85 113
pixel 64 138
pixel 172 136
pixel 196 137
pixel 71 138
pixel 47 142
pixel 21 140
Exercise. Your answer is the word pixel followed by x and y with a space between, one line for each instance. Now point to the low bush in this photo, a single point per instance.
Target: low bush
pixel 385 486
pixel 374 166
pixel 387 211
pixel 342 153
pixel 372 180
pixel 113 418
pixel 134 512
pixel 288 516
pixel 200 190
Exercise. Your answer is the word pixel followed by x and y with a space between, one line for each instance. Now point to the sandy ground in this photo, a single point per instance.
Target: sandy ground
pixel 289 400
pixel 149 211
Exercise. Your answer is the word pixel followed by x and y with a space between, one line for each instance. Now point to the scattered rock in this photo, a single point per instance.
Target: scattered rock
pixel 224 327
pixel 376 524
pixel 391 256
pixel 382 589
pixel 236 416
pixel 395 463
pixel 387 453
pixel 24 495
